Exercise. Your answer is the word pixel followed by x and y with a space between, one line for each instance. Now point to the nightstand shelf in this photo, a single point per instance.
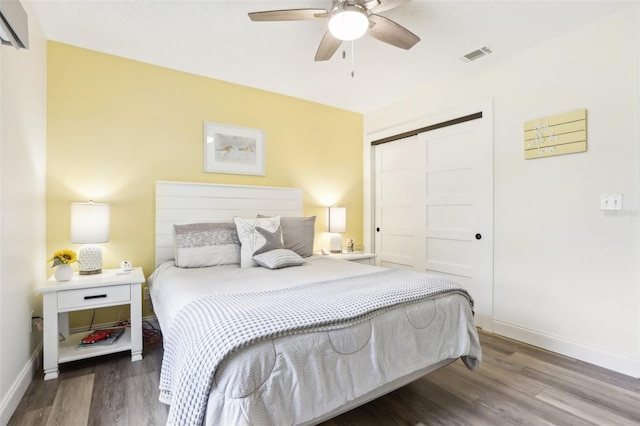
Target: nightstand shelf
pixel 112 287
pixel 68 350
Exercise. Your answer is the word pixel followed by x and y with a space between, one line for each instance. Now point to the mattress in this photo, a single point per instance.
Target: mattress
pixel 304 378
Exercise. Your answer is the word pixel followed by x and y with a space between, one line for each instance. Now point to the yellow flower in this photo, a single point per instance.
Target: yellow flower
pixel 63 256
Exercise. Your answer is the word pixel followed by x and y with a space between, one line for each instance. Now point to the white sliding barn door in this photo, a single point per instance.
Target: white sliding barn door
pixel 434 207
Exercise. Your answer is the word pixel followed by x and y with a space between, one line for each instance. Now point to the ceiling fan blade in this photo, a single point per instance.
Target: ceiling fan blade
pixel 328 47
pixel 288 15
pixel 387 5
pixel 392 33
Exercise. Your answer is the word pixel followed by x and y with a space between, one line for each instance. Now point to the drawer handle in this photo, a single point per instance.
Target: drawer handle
pixel 97 296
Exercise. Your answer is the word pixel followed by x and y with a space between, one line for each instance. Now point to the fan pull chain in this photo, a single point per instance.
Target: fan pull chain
pixel 353 54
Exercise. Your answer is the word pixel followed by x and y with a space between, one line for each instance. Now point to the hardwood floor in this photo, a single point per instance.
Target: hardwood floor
pixel 516 384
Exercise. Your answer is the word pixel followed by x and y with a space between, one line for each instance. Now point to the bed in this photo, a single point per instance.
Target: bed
pixel 257 341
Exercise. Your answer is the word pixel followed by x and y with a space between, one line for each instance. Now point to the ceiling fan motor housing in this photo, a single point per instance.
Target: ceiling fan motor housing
pixel 348 22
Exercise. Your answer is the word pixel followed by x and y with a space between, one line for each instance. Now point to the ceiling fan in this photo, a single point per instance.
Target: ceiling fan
pixel 348 20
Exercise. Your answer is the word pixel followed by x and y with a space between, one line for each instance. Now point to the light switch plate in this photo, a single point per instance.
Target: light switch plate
pixel 611 202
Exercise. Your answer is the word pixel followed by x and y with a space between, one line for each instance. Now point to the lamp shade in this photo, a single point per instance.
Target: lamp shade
pixel 349 24
pixel 337 219
pixel 89 223
pixel 336 223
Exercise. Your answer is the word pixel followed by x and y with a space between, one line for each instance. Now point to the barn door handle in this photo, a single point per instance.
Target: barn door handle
pixel 478 236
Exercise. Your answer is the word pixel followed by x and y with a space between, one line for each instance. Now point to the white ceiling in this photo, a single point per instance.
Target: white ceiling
pixel 216 39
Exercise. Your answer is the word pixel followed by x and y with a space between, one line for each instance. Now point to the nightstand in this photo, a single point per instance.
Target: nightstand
pixel 364 258
pixel 112 287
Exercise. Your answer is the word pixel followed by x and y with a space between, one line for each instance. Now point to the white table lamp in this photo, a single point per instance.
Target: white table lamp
pixel 336 223
pixel 89 225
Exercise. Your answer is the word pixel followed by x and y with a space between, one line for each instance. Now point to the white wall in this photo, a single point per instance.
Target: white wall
pixel 565 273
pixel 23 85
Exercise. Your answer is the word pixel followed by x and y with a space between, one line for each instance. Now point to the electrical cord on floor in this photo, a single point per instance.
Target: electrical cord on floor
pixel 150 334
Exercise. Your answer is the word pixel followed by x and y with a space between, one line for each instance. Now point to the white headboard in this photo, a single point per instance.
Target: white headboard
pixel 190 202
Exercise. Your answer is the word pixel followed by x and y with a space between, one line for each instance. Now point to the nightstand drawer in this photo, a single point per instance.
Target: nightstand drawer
pixel 88 297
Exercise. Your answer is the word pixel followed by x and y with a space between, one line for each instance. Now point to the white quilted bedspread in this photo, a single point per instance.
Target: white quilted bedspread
pixel 294 379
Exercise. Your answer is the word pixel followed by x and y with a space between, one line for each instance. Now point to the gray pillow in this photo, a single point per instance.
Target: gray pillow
pixel 198 245
pixel 298 234
pixel 280 258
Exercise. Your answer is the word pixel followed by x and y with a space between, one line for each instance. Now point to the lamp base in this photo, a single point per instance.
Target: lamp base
pixel 90 260
pixel 335 244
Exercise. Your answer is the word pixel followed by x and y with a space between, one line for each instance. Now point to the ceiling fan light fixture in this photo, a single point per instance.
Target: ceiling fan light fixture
pixel 350 23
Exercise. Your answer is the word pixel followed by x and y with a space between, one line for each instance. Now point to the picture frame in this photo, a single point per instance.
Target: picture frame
pixel 233 149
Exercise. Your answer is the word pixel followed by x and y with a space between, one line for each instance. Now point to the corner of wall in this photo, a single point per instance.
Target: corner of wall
pixel 11 399
pixel 23 123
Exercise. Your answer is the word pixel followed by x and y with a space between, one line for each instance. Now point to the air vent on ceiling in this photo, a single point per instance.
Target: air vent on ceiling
pixel 472 56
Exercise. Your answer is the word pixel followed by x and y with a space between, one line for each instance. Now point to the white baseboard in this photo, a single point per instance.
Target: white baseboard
pixel 599 357
pixel 19 387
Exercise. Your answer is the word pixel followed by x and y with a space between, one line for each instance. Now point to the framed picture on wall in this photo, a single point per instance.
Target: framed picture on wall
pixel 233 149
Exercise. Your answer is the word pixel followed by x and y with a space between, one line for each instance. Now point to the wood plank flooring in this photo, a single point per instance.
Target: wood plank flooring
pixel 516 384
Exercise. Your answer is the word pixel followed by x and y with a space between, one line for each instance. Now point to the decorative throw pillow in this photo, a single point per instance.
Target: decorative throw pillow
pixel 257 236
pixel 298 234
pixel 198 245
pixel 279 258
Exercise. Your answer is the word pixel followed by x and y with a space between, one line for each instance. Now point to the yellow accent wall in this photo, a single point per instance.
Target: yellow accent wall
pixel 115 126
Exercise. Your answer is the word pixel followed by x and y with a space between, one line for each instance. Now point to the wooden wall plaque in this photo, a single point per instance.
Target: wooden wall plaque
pixel 557 135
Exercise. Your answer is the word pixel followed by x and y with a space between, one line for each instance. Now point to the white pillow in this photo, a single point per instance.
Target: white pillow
pixel 198 245
pixel 279 258
pixel 257 236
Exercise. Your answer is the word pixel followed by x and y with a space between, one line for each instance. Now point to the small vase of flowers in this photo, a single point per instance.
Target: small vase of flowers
pixel 62 259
